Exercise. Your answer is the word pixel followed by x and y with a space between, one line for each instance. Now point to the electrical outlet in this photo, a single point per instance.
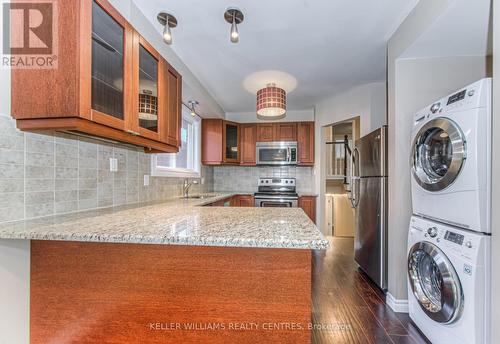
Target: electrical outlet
pixel 202 180
pixel 146 179
pixel 113 165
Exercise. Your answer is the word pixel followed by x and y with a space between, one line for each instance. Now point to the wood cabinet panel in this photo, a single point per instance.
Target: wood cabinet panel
pixel 308 204
pixel 305 143
pixel 88 82
pixel 248 144
pixel 265 132
pixel 154 130
pixel 246 201
pixel 211 141
pixel 114 293
pixel 230 142
pixel 174 106
pixel 285 131
pixel 243 201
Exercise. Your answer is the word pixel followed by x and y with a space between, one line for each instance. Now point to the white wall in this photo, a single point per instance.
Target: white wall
pixel 495 221
pixel 15 291
pixel 291 116
pixel 368 102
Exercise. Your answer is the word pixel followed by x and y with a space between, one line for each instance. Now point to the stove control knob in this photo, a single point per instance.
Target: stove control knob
pixel 435 107
pixel 468 244
pixel 433 232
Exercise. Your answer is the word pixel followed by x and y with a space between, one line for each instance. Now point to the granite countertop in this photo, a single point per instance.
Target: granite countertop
pixel 177 222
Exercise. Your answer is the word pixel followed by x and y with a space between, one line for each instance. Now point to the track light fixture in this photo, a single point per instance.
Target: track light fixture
pixel 234 17
pixel 168 21
pixel 192 107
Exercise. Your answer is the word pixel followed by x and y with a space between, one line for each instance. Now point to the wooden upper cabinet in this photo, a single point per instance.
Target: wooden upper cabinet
pixel 305 143
pixel 211 141
pixel 111 64
pixel 231 142
pixel 174 105
pixel 268 132
pixel 109 82
pixel 285 131
pixel 150 118
pixel 265 132
pixel 248 144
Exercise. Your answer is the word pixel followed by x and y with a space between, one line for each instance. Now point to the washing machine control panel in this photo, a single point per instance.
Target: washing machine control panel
pixel 454 237
pixel 453 241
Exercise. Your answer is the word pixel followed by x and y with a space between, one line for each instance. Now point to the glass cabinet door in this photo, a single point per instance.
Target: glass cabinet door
pixel 231 142
pixel 148 90
pixel 107 63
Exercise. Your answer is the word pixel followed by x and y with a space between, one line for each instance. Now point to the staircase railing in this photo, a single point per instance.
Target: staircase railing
pixel 340 162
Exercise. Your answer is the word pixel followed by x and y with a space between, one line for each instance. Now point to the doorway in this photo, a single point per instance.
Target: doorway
pixel 339 214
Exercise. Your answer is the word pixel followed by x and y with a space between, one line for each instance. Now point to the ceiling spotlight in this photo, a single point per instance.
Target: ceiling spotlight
pixel 192 107
pixel 234 17
pixel 168 21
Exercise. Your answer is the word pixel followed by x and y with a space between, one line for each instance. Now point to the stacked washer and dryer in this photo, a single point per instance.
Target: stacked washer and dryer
pixel 449 235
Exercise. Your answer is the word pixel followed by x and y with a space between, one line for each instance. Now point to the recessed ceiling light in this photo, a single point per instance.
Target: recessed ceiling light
pixel 168 21
pixel 234 17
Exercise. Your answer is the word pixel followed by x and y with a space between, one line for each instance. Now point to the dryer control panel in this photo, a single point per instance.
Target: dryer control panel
pixel 470 97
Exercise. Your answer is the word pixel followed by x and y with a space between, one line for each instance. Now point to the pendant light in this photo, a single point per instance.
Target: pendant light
pixel 271 102
pixel 234 17
pixel 168 21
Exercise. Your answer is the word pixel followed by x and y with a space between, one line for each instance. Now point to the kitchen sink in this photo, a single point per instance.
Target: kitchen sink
pixel 199 196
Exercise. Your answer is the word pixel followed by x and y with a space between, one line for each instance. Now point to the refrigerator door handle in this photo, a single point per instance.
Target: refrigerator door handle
pixel 354 178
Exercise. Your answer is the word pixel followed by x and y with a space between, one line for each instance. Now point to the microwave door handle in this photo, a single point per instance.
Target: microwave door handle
pixel 288 155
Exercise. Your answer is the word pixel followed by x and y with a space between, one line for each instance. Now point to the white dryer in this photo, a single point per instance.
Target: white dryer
pixel 451 159
pixel 448 282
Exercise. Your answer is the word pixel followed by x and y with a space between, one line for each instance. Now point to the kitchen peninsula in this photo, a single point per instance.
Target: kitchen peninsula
pixel 171 272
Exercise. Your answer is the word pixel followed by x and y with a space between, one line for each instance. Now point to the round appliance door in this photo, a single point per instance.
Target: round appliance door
pixel 439 153
pixel 435 283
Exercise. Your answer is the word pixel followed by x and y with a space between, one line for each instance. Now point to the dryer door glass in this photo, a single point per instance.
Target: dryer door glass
pixel 438 154
pixel 435 283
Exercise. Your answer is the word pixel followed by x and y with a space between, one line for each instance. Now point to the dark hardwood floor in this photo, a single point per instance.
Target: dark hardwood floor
pixel 348 308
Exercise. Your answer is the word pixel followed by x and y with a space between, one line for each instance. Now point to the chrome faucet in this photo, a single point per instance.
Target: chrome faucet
pixel 186 187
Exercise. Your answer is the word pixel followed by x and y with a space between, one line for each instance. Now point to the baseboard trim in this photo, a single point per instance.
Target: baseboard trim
pixel 397 305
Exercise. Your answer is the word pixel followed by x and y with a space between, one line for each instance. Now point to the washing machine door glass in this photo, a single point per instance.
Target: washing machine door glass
pixel 435 283
pixel 438 154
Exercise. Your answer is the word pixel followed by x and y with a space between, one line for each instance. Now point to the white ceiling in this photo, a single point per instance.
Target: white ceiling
pixel 322 45
pixel 461 30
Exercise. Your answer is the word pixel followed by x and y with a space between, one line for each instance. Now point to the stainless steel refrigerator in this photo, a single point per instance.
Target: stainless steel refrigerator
pixel 369 198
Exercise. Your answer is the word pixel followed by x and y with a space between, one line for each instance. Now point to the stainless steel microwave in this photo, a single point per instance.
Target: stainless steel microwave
pixel 277 153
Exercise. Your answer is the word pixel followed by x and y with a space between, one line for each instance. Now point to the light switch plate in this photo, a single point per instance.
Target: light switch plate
pixel 202 181
pixel 146 179
pixel 113 165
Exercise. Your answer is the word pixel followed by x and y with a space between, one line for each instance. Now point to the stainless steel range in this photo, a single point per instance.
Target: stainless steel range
pixel 276 192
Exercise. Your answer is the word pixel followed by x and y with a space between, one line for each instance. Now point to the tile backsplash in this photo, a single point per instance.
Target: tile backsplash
pixel 245 179
pixel 56 173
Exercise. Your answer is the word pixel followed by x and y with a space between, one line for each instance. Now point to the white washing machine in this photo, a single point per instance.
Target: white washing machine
pixel 448 282
pixel 451 159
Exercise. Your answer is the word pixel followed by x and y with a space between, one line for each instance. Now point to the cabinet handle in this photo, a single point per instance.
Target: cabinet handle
pixel 133 132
